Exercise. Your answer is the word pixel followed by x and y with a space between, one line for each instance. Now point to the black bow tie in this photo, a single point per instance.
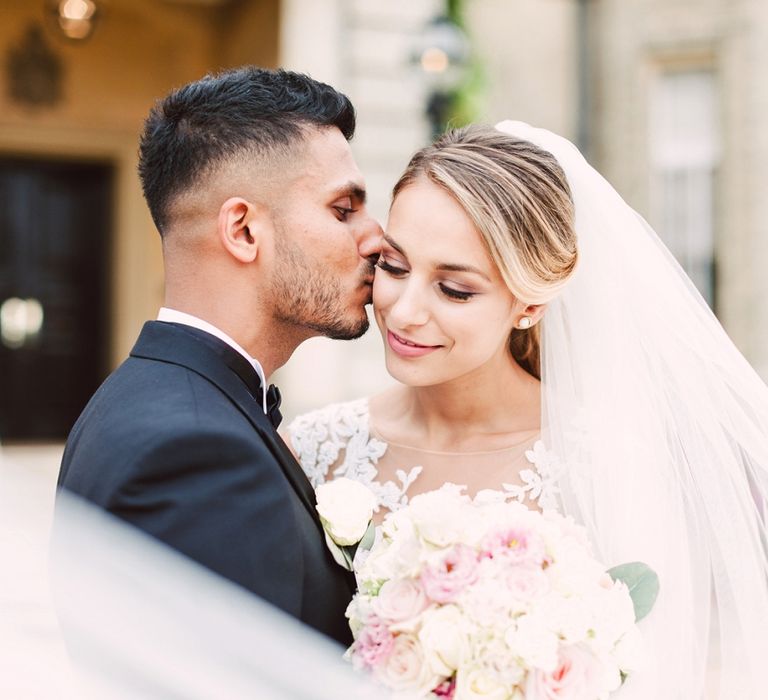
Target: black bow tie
pixel 273 406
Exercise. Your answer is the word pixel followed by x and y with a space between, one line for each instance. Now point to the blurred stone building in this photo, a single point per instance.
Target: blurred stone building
pixel 80 263
pixel 665 97
pixel 668 100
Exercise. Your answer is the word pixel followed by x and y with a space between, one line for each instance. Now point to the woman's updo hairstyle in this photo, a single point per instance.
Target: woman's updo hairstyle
pixel 518 199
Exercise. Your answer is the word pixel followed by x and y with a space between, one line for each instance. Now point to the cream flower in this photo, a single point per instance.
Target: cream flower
pixel 405 669
pixel 444 639
pixel 479 683
pixel 346 508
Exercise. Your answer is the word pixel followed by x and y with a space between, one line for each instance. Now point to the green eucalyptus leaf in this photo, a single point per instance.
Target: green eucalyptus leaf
pixel 367 540
pixel 348 556
pixel 642 582
pixel 340 555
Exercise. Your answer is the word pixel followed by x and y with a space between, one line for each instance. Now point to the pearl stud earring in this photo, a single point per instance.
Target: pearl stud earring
pixel 525 323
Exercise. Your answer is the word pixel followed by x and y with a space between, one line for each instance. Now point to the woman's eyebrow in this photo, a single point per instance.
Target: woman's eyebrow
pixel 397 247
pixel 447 267
pixel 451 267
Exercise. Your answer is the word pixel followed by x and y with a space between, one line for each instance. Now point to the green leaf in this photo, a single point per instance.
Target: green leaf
pixel 642 582
pixel 340 555
pixel 367 540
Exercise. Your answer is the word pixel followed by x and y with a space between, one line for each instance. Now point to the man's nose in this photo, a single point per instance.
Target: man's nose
pixel 368 237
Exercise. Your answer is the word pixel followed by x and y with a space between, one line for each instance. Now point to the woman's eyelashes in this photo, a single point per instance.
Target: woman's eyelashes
pixel 391 269
pixel 398 272
pixel 456 293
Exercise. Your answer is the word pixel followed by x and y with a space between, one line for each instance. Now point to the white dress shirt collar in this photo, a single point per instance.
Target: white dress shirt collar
pixel 172 316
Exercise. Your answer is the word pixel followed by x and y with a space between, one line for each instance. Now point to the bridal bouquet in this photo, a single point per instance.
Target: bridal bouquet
pixel 484 598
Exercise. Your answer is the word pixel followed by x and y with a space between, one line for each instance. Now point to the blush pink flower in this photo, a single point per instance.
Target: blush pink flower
pixel 373 645
pixel 576 676
pixel 400 600
pixel 444 581
pixel 518 545
pixel 447 689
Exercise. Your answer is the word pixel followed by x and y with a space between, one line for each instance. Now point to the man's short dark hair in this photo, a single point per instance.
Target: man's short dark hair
pixel 222 116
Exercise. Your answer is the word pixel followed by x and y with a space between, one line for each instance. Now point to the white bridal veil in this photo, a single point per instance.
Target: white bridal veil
pixel 113 614
pixel 659 428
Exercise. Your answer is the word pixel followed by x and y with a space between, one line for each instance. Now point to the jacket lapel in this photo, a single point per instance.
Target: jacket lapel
pixel 221 365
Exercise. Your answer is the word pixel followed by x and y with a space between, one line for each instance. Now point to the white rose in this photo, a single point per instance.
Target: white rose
pixel 630 652
pixel 346 508
pixel 392 558
pixel 573 574
pixel 534 642
pixel 571 618
pixel 488 603
pixel 443 638
pixel 478 683
pixel 441 517
pixel 404 668
pixel 400 600
pixel 613 617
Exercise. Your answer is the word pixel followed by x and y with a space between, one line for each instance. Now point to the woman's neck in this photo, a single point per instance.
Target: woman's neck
pixel 481 410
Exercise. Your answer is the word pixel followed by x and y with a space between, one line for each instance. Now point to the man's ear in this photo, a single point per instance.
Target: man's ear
pixel 240 228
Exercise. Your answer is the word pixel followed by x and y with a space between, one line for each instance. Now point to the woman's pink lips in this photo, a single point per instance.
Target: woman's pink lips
pixel 399 345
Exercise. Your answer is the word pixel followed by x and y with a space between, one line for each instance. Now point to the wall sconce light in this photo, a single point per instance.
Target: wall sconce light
pixel 75 19
pixel 442 53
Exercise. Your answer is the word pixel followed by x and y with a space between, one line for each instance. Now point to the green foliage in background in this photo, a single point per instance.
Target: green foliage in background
pixel 467 101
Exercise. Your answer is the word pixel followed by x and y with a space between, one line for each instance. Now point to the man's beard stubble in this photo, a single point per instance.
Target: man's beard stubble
pixel 304 296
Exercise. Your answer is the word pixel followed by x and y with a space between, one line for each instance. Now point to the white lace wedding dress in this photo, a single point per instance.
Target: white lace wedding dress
pixel 340 440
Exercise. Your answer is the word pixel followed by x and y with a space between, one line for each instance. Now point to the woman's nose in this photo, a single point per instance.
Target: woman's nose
pixel 410 306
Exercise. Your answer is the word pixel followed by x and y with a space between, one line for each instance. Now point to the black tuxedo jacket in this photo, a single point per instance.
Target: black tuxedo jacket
pixel 175 443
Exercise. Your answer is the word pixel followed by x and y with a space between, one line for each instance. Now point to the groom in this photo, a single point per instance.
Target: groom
pixel 251 183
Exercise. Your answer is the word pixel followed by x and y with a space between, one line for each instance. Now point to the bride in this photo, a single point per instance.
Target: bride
pixel 547 344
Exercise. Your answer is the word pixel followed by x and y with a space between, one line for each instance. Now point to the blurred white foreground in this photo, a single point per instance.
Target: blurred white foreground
pixel 140 620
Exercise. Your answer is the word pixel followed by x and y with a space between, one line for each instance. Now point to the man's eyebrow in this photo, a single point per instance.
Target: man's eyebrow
pixel 351 189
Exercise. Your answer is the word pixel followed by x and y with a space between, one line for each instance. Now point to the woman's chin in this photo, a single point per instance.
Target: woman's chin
pixel 408 374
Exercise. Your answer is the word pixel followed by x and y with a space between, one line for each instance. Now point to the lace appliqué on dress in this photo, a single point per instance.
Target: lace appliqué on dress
pixel 319 437
pixel 540 482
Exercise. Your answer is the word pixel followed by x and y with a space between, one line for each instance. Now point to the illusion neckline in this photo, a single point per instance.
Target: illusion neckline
pixel 374 432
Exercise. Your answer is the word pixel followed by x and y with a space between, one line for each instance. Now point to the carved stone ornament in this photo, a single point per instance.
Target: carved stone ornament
pixel 33 71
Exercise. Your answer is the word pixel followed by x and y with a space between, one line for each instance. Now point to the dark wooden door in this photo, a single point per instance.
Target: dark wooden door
pixel 55 230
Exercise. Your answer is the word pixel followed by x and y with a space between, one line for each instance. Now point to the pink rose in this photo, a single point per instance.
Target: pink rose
pixel 400 600
pixel 518 545
pixel 576 677
pixel 373 645
pixel 444 581
pixel 405 670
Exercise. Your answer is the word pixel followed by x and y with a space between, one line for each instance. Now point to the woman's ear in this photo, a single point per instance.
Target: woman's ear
pixel 239 227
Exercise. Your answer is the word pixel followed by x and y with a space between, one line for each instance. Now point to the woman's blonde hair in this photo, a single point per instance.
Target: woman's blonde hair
pixel 518 199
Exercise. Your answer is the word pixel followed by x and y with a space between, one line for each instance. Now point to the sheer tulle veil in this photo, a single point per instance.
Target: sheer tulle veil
pixel 659 429
pixel 101 611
